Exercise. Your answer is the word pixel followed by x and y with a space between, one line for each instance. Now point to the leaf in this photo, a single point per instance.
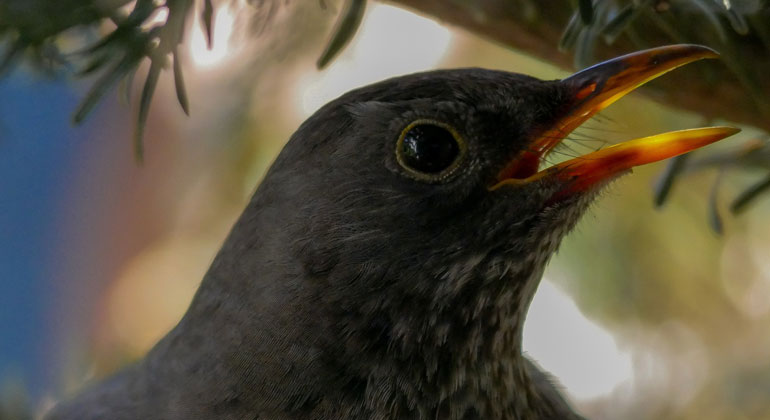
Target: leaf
pixel 181 92
pixel 571 33
pixel 206 17
pixel 584 49
pixel 715 219
pixel 746 197
pixel 142 11
pixel 94 65
pixel 102 84
pixel 134 53
pixel 619 23
pixel 737 21
pixel 128 30
pixel 586 8
pixel 144 106
pixel 666 181
pixel 346 28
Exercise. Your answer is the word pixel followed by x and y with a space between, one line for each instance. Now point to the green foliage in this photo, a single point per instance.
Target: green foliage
pixel 38 26
pixel 35 28
pixel 752 155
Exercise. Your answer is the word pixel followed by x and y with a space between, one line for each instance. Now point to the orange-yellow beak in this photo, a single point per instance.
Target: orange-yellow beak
pixel 594 89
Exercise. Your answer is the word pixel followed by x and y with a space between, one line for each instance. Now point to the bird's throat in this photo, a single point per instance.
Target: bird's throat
pixel 460 359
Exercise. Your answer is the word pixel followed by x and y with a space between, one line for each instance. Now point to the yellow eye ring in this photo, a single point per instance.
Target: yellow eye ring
pixel 430 150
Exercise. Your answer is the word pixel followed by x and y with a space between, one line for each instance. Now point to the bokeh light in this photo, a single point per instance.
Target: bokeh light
pixel 221 49
pixel 583 356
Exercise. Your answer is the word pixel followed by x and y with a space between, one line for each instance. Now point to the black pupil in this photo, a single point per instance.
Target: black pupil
pixel 429 148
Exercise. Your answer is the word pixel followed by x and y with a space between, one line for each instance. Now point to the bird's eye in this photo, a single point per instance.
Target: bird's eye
pixel 429 149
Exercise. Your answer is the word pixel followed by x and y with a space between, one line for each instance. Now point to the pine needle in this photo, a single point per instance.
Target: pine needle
pixel 345 29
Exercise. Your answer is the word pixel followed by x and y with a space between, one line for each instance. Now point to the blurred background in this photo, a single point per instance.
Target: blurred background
pixel 644 312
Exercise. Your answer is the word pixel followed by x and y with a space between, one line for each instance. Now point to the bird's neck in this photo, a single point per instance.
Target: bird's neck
pixel 455 353
pixel 458 355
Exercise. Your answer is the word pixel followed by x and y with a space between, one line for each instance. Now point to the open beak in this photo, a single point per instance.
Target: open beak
pixel 594 89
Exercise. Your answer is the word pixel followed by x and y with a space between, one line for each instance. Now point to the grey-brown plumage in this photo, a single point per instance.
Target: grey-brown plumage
pixel 356 287
pixel 348 289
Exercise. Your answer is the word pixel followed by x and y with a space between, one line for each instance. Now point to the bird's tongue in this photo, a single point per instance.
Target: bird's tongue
pixel 593 89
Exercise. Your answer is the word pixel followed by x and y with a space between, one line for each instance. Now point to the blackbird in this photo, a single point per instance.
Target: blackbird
pixel 384 267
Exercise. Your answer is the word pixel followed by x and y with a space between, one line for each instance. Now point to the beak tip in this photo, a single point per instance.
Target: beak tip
pixel 727 131
pixel 705 52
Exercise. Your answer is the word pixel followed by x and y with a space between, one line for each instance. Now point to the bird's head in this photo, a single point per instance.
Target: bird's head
pixel 418 204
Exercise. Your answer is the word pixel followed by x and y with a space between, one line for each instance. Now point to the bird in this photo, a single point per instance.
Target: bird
pixel 384 266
